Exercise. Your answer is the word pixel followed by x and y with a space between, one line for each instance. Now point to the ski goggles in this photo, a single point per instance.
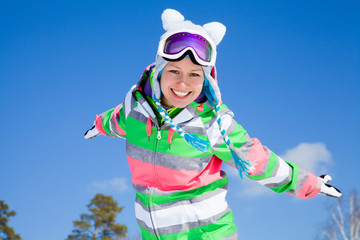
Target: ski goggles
pixel 175 45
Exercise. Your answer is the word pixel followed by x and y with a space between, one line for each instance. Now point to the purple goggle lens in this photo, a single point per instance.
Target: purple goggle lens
pixel 178 42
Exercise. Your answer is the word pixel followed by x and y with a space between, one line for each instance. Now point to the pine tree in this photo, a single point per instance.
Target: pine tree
pixel 6 232
pixel 100 223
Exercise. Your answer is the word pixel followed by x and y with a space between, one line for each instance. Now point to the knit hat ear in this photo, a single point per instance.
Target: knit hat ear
pixel 174 22
pixel 216 31
pixel 171 17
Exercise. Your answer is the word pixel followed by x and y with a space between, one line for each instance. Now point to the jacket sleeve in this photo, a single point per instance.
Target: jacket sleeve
pixel 112 122
pixel 269 169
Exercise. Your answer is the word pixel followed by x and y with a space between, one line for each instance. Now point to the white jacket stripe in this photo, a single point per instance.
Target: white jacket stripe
pixel 128 100
pixel 182 214
pixel 213 131
pixel 281 173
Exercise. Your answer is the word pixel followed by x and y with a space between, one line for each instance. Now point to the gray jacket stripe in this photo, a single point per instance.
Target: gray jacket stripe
pixel 138 116
pixel 275 172
pixel 245 149
pixel 155 191
pixel 247 146
pixel 184 116
pixel 219 137
pixel 143 225
pixel 183 202
pixel 285 181
pixel 144 107
pixel 193 130
pixel 113 127
pixel 222 113
pixel 302 176
pixel 162 159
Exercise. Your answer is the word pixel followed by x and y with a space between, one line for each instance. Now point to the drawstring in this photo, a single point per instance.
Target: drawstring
pixel 191 139
pixel 148 128
pixel 171 132
pixel 243 165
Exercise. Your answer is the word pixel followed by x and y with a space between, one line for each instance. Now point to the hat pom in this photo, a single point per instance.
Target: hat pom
pixel 216 31
pixel 170 17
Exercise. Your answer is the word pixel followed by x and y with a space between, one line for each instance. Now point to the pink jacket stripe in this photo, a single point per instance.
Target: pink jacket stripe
pixel 115 117
pixel 308 190
pixel 170 179
pixel 258 155
pixel 99 125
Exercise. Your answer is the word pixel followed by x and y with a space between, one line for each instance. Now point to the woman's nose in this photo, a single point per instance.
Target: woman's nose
pixel 183 79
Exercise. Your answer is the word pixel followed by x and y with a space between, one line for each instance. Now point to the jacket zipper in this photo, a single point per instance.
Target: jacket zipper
pixel 158 137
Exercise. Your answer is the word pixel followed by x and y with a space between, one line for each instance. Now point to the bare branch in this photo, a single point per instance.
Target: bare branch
pixel 344 219
pixel 352 217
pixel 328 235
pixel 339 223
pixel 356 215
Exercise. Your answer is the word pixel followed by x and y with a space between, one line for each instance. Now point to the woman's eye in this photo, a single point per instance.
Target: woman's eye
pixel 174 71
pixel 194 75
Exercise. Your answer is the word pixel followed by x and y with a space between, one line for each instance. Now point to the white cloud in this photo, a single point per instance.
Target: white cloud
pixel 311 156
pixel 113 186
pixel 314 157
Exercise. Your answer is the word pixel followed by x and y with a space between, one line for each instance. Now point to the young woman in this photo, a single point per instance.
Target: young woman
pixel 178 133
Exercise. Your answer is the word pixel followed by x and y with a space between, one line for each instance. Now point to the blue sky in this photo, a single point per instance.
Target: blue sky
pixel 289 70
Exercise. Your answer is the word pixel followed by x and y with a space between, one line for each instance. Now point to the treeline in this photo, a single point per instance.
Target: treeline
pixel 6 232
pixel 99 223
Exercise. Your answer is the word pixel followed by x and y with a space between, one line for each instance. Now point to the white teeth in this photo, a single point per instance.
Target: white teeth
pixel 180 94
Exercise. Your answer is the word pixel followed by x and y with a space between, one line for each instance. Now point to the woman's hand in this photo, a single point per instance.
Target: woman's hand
pixel 328 189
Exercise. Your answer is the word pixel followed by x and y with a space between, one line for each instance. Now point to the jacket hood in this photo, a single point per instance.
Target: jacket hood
pixel 146 86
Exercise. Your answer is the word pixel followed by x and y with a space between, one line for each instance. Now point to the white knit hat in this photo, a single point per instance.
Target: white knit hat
pixel 174 22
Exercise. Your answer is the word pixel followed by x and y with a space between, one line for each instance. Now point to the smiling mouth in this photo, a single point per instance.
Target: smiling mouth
pixel 180 94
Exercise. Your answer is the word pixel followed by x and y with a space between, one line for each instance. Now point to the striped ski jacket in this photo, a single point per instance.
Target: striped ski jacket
pixel 180 191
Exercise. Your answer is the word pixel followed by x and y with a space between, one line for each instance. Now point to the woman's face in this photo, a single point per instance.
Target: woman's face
pixel 181 83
